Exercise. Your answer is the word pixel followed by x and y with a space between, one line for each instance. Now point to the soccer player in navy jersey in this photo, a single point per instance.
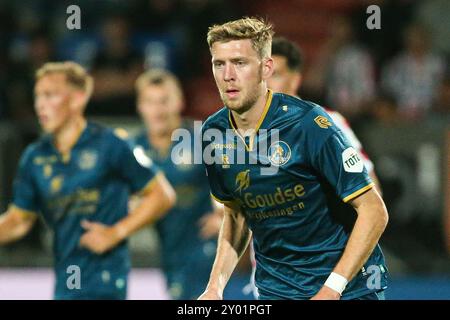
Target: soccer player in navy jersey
pixel 300 251
pixel 78 176
pixel 188 233
pixel 287 78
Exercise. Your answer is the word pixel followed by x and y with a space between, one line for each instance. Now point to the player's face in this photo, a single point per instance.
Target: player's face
pixel 53 100
pixel 239 73
pixel 283 79
pixel 159 107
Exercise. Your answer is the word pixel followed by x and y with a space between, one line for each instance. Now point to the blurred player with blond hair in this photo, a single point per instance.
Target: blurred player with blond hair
pixel 188 233
pixel 78 176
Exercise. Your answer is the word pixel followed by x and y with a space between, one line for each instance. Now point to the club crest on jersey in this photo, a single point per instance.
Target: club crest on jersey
pixel 88 160
pixel 242 180
pixel 56 184
pixel 322 122
pixel 279 153
pixel 48 170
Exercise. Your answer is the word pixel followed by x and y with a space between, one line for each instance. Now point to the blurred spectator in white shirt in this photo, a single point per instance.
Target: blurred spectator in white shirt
pixel 434 15
pixel 346 71
pixel 414 76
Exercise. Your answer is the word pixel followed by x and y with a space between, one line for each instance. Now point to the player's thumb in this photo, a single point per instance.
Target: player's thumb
pixel 85 224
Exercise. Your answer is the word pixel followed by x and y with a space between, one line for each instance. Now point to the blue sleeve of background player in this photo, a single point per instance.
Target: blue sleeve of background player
pixel 332 155
pixel 24 188
pixel 133 165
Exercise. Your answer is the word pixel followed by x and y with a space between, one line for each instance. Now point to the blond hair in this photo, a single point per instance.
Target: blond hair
pixel 159 77
pixel 257 30
pixel 75 74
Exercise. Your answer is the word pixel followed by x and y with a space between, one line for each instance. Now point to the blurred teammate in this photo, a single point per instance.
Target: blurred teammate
pixel 301 253
pixel 188 233
pixel 78 177
pixel 287 78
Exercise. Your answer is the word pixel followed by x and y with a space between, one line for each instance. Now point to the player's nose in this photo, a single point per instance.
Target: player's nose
pixel 229 72
pixel 39 105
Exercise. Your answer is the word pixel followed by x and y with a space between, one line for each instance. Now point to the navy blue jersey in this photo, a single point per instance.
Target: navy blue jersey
pixel 186 258
pixel 297 243
pixel 93 182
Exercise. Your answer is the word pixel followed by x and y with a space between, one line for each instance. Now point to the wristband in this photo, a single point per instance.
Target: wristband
pixel 336 282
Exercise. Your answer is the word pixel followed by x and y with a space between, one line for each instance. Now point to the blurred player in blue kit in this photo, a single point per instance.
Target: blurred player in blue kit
pixel 78 176
pixel 287 78
pixel 300 251
pixel 188 233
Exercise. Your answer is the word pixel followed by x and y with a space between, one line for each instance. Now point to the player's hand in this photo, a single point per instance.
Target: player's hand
pixel 210 295
pixel 210 225
pixel 326 293
pixel 133 203
pixel 98 238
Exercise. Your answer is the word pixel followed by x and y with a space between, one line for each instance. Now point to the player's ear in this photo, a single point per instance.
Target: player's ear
pixel 267 66
pixel 180 105
pixel 178 99
pixel 296 82
pixel 138 104
pixel 79 100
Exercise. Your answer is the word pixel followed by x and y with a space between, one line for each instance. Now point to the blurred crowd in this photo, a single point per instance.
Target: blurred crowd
pixel 116 42
pixel 398 73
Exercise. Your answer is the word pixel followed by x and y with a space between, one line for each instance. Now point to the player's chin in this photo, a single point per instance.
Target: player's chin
pixel 47 128
pixel 233 104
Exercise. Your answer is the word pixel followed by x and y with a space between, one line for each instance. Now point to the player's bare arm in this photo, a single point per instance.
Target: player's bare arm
pixel 210 224
pixel 155 202
pixel 234 238
pixel 369 226
pixel 15 224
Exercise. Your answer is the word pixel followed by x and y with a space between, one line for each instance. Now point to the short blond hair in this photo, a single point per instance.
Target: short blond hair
pixel 257 30
pixel 159 77
pixel 75 74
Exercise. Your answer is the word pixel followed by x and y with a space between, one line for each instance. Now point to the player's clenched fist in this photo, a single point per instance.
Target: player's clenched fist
pixel 98 238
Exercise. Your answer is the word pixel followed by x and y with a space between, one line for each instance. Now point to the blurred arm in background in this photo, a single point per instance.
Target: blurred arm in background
pixel 15 223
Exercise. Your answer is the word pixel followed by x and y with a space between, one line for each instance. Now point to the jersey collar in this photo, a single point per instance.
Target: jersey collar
pixel 84 136
pixel 263 121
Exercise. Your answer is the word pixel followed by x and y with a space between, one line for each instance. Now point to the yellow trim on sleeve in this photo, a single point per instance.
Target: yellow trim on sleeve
pixel 150 185
pixel 358 192
pixel 24 212
pixel 219 200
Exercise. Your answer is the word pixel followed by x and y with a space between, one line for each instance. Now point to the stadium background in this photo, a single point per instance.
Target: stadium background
pixel 409 145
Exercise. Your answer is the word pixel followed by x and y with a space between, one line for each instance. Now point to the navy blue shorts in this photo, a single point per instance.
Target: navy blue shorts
pixel 372 296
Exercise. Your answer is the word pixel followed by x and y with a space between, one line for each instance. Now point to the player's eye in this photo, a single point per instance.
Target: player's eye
pixel 49 95
pixel 44 95
pixel 218 64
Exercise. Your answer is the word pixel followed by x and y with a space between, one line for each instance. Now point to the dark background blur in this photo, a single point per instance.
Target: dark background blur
pixel 392 84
